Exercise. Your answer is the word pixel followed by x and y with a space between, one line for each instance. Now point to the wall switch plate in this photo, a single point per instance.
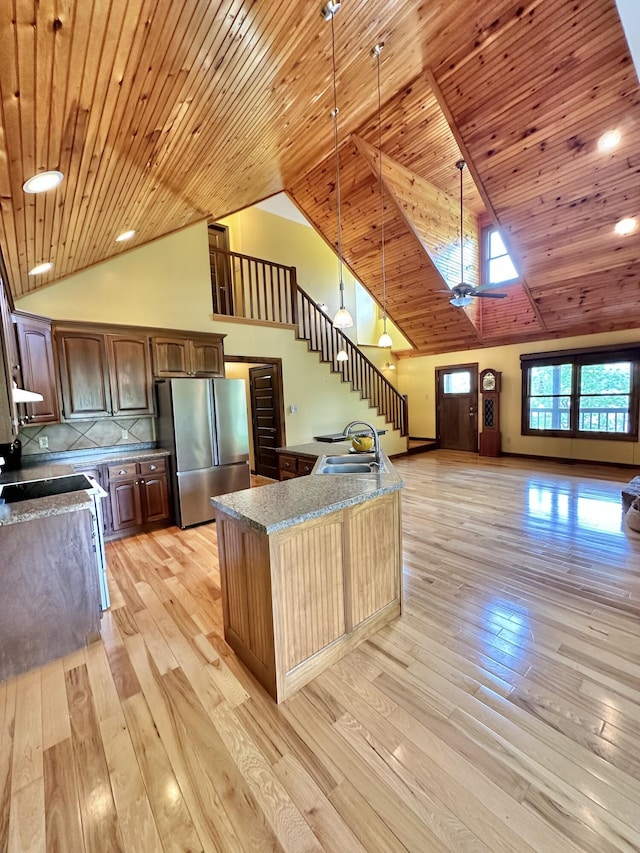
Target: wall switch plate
pixel 293 408
pixel 125 433
pixel 43 442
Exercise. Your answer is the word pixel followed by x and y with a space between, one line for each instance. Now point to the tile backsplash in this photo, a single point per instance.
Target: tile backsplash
pixel 87 435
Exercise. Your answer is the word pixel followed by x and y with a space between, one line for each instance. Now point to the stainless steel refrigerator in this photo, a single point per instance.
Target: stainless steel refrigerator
pixel 203 422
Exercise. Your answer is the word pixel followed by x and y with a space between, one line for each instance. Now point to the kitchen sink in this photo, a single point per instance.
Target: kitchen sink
pixel 351 459
pixel 16 492
pixel 350 468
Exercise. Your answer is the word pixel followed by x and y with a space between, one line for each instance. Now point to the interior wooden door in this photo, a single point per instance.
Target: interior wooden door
pixel 266 395
pixel 221 280
pixel 457 407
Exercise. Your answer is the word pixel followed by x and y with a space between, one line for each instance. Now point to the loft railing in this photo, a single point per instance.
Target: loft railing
pixel 252 288
pixel 256 289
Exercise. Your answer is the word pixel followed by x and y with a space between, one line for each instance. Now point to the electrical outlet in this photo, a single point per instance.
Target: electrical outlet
pixel 43 442
pixel 125 434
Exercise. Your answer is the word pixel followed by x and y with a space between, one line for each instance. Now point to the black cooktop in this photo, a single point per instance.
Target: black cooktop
pixel 43 488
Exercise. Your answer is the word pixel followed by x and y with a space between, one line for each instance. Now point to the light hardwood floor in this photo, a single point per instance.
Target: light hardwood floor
pixel 500 713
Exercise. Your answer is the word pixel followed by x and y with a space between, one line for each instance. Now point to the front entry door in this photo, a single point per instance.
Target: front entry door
pixel 457 407
pixel 266 395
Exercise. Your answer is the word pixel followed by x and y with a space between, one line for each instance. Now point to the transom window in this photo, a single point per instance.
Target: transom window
pixel 499 267
pixel 582 394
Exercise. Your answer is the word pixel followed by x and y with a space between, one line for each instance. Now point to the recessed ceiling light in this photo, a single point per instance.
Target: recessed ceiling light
pixel 42 182
pixel 126 235
pixel 626 226
pixel 609 140
pixel 41 268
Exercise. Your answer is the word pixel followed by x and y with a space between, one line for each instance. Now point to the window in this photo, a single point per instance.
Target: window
pixel 457 383
pixel 498 267
pixel 582 394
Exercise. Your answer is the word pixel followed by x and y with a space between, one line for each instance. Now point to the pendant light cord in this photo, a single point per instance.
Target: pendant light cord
pixel 461 164
pixel 378 50
pixel 335 145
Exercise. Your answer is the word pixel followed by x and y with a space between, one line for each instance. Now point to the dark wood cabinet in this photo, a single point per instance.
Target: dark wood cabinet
pixel 38 369
pixel 200 355
pixel 104 375
pixel 295 464
pixel 126 506
pixel 130 375
pixel 138 495
pixel 84 375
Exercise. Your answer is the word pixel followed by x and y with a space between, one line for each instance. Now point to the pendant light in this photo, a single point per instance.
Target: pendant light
pixel 461 301
pixel 385 339
pixel 343 319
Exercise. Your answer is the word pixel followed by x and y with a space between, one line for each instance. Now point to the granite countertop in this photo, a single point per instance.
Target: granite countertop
pixel 317 448
pixel 99 456
pixel 275 507
pixel 41 507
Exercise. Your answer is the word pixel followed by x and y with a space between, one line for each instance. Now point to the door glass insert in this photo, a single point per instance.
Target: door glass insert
pixel 458 382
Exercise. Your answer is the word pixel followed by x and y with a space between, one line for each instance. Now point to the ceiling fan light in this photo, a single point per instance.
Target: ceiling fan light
pixel 342 356
pixel 461 301
pixel 342 320
pixel 385 340
pixel 42 182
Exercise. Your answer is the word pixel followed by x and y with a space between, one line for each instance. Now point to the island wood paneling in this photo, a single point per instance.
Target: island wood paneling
pixel 373 545
pixel 300 598
pixel 308 588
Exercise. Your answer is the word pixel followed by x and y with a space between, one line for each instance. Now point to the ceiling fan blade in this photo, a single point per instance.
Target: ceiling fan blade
pixel 492 295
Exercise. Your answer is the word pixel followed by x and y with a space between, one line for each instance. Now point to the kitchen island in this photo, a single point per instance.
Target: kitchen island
pixel 309 568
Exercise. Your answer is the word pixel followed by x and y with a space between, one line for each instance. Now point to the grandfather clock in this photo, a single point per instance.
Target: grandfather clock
pixel 490 436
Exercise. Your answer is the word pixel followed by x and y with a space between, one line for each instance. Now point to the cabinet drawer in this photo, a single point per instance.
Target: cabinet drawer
pixel 122 471
pixel 288 464
pixel 153 466
pixel 305 466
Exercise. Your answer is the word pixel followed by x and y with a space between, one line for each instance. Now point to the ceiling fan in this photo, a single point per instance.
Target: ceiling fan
pixel 462 294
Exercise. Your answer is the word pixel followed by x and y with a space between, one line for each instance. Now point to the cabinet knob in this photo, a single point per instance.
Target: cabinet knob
pixel 142 482
pixel 153 467
pixel 122 471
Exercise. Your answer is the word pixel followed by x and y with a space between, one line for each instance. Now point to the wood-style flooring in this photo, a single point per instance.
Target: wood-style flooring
pixel 499 713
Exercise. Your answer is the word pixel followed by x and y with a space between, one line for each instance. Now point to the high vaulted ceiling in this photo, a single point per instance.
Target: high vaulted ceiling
pixel 163 112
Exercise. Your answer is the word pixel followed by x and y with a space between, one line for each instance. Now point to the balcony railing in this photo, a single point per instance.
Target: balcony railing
pixel 260 290
pixel 589 420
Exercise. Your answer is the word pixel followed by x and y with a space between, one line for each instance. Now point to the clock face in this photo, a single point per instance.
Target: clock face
pixel 489 382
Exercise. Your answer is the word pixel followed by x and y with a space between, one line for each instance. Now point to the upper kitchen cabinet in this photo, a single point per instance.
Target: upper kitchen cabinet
pixel 103 375
pixel 200 355
pixel 38 370
pixel 130 375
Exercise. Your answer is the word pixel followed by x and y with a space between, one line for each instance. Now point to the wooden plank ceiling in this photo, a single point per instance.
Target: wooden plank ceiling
pixel 164 113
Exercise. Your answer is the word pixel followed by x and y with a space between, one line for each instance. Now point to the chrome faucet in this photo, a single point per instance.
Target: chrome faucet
pixel 374 434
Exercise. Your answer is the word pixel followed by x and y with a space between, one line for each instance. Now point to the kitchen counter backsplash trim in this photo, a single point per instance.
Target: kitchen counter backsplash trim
pixel 101 454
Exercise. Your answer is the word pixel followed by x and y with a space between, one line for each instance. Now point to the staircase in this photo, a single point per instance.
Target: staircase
pixel 256 289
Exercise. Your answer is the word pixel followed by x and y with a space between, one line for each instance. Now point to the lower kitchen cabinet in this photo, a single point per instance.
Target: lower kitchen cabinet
pixel 138 495
pixel 295 465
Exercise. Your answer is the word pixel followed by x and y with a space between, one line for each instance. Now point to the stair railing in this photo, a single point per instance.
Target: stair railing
pixel 259 290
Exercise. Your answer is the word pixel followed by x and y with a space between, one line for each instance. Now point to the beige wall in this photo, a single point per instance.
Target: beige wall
pixel 167 284
pixel 240 370
pixel 262 234
pixel 416 378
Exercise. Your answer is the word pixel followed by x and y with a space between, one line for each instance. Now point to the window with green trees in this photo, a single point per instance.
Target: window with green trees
pixel 588 394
